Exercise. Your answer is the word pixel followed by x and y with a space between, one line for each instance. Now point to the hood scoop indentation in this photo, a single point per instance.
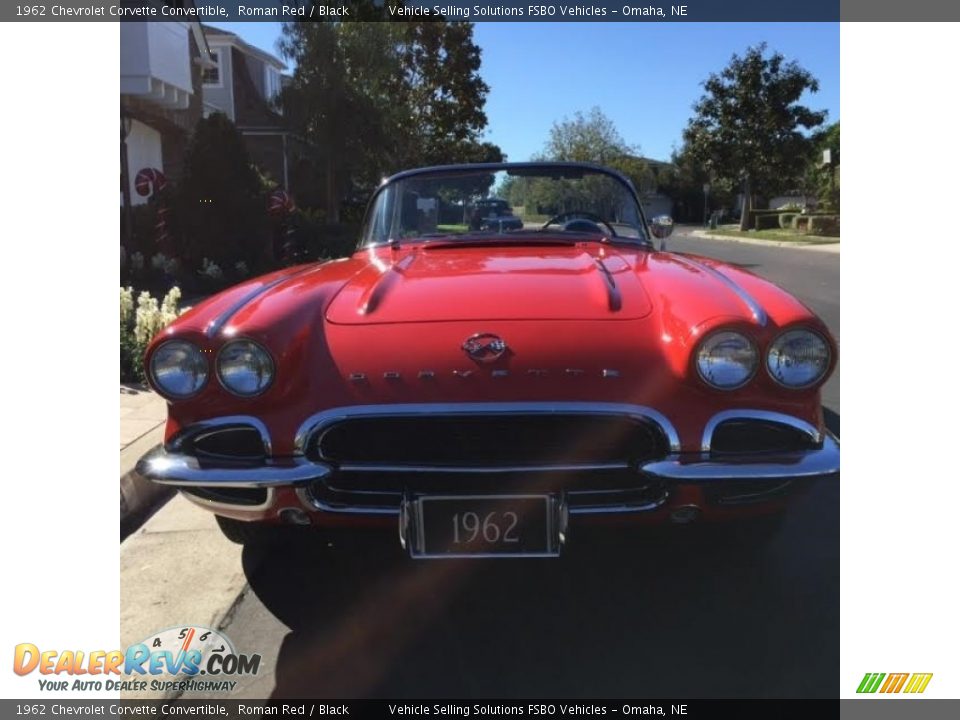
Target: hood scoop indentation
pixel 613 293
pixel 378 290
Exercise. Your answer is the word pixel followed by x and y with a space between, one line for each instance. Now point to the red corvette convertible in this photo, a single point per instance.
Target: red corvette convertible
pixel 490 390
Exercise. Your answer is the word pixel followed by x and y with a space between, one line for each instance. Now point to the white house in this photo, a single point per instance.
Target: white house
pixel 160 94
pixel 243 82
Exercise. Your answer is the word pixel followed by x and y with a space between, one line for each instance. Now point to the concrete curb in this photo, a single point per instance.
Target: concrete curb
pixel 831 247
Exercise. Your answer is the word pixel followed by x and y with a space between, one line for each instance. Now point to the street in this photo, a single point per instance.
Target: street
pixel 621 614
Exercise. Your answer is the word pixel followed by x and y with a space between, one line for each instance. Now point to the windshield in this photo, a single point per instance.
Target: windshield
pixel 524 201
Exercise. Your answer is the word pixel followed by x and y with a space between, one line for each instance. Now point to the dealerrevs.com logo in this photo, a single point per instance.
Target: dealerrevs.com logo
pixel 911 683
pixel 176 659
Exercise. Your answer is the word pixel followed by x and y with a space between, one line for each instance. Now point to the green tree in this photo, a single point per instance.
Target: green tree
pixel 683 182
pixel 593 137
pixel 445 93
pixel 589 137
pixel 828 176
pixel 220 208
pixel 747 127
pixel 339 99
pixel 378 97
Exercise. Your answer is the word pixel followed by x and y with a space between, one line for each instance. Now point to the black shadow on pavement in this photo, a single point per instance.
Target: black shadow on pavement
pixel 623 613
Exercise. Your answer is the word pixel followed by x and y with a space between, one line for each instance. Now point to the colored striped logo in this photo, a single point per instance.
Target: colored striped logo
pixel 894 682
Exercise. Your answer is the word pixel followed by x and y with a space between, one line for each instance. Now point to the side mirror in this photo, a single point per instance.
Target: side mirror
pixel 661 226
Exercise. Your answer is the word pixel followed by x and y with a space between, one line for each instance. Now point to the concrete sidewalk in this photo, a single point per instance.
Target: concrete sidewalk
pixel 828 247
pixel 174 553
pixel 142 417
pixel 177 569
pixel 141 411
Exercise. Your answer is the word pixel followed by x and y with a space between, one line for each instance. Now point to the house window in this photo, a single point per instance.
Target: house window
pixel 211 76
pixel 272 85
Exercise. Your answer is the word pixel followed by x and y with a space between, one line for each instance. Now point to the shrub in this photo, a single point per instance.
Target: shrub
pixel 311 237
pixel 139 325
pixel 156 273
pixel 754 214
pixel 220 208
pixel 825 225
pixel 786 220
pixel 801 223
pixel 766 221
pixel 143 230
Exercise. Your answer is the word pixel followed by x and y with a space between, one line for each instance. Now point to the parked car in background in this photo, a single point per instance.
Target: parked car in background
pixel 494 214
pixel 491 391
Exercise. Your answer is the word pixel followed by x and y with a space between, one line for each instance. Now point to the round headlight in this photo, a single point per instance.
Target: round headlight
pixel 245 368
pixel 798 358
pixel 178 369
pixel 726 360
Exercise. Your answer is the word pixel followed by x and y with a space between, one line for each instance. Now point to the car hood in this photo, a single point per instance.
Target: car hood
pixel 373 351
pixel 481 282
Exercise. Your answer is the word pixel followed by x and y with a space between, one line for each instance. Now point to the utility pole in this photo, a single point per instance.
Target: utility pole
pixel 125 124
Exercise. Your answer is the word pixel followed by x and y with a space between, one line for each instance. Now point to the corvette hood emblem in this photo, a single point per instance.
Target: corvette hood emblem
pixel 484 347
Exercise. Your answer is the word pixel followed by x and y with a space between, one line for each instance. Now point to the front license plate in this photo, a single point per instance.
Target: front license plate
pixel 483 526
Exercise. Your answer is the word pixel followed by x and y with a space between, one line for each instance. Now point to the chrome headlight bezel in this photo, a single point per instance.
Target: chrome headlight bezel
pixel 715 336
pixel 264 355
pixel 796 331
pixel 197 357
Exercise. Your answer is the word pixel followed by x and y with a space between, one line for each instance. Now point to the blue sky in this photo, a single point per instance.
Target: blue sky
pixel 644 76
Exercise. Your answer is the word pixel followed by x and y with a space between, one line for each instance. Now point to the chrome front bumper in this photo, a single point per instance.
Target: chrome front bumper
pixel 732 479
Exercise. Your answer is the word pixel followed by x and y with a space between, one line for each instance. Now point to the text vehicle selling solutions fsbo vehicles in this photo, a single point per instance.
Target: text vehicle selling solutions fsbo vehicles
pixel 489 387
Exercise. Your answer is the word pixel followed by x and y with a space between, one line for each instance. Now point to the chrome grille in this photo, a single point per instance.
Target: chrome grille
pixel 398 483
pixel 542 440
pixel 356 492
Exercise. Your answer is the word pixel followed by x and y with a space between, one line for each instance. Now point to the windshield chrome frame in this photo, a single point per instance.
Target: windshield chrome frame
pixel 644 240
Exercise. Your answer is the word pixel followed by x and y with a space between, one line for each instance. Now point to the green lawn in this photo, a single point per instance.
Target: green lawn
pixel 452 229
pixel 776 235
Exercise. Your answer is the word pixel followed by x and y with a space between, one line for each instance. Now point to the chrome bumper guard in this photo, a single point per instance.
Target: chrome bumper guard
pixel 172 468
pixel 811 464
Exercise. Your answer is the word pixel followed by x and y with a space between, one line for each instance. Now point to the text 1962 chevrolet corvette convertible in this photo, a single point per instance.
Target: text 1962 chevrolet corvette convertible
pixel 490 390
